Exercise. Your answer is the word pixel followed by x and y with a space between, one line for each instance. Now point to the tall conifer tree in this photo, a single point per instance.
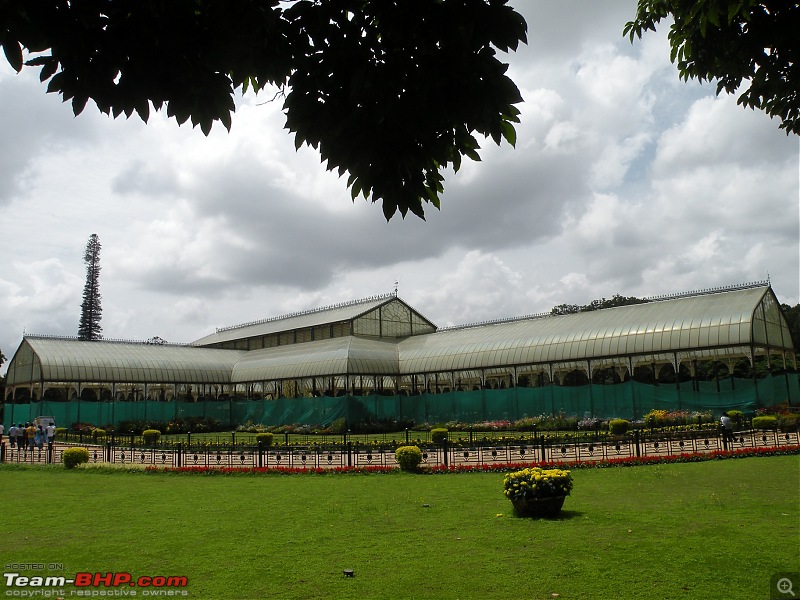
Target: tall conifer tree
pixel 91 310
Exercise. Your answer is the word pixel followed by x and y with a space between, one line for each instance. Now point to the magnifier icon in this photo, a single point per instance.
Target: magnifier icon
pixel 784 586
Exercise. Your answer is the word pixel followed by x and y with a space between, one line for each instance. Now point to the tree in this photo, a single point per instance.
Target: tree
pixel 792 315
pixel 388 91
pixel 732 41
pixel 616 300
pixel 91 310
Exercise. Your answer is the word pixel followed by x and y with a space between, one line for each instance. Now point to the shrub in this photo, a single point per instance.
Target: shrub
pixel 736 416
pixel 618 426
pixel 151 436
pixel 265 438
pixel 98 435
pixel 61 432
pixel 439 435
pixel 527 424
pixel 656 418
pixel 338 426
pixel 408 458
pixel 765 422
pixel 788 422
pixel 590 424
pixel 73 457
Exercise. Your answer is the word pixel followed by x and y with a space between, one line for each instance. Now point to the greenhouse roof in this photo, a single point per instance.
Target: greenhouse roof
pixel 725 324
pixel 345 311
pixel 70 359
pixel 314 359
pixel 719 320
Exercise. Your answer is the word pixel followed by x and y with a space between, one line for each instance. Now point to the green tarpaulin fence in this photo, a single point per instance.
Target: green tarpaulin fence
pixel 628 400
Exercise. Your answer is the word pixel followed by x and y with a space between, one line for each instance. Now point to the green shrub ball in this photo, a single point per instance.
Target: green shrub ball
pixel 618 426
pixel 265 438
pixel 438 435
pixel 73 457
pixel 408 458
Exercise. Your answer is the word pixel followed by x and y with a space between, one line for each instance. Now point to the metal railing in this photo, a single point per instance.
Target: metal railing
pixel 540 449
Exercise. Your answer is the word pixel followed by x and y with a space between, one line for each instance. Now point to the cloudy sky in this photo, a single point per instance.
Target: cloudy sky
pixel 624 180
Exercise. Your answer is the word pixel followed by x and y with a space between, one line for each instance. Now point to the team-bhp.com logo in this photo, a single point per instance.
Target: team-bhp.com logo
pixel 96 580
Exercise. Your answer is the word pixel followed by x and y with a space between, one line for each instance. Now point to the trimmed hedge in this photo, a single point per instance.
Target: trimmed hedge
pixel 765 422
pixel 265 438
pixel 618 426
pixel 151 436
pixel 73 457
pixel 439 435
pixel 737 417
pixel 408 458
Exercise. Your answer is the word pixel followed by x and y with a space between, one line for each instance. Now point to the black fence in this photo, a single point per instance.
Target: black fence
pixel 355 454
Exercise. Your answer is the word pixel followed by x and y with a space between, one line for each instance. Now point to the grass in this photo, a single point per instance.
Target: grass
pixel 698 530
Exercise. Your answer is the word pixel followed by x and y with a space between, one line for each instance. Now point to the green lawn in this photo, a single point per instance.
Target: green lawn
pixel 715 529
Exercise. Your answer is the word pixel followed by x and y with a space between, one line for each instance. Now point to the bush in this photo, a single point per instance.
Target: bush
pixel 656 418
pixel 618 426
pixel 439 435
pixel 338 426
pixel 765 422
pixel 737 417
pixel 151 436
pixel 265 438
pixel 98 435
pixel 73 457
pixel 408 458
pixel 61 432
pixel 788 422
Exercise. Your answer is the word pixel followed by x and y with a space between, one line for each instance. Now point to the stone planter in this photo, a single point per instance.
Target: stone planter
pixel 538 507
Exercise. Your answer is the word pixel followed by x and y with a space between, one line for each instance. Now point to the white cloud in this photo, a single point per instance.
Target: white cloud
pixel 624 180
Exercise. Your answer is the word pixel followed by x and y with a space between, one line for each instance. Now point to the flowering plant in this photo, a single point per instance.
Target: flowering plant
pixel 536 483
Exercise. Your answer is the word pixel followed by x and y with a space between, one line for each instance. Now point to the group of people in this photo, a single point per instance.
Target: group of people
pixel 30 435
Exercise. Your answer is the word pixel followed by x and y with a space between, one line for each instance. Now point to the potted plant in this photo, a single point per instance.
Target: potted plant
pixel 537 492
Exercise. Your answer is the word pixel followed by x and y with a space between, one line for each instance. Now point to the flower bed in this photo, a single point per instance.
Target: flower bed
pixel 630 461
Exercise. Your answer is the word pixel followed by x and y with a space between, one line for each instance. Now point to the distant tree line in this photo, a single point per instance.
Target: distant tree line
pixel 613 302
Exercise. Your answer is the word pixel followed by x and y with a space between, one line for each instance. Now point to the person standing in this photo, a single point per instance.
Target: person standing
pixel 21 437
pixel 30 435
pixel 50 430
pixel 2 431
pixel 12 436
pixel 726 425
pixel 38 438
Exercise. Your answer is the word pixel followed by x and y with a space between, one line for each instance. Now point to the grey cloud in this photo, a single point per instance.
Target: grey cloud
pixel 31 123
pixel 139 177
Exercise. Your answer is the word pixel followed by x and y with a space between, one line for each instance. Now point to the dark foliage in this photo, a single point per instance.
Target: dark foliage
pixel 614 301
pixel 734 41
pixel 387 91
pixel 792 314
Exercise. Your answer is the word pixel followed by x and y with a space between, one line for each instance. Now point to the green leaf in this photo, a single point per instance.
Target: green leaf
pixel 509 133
